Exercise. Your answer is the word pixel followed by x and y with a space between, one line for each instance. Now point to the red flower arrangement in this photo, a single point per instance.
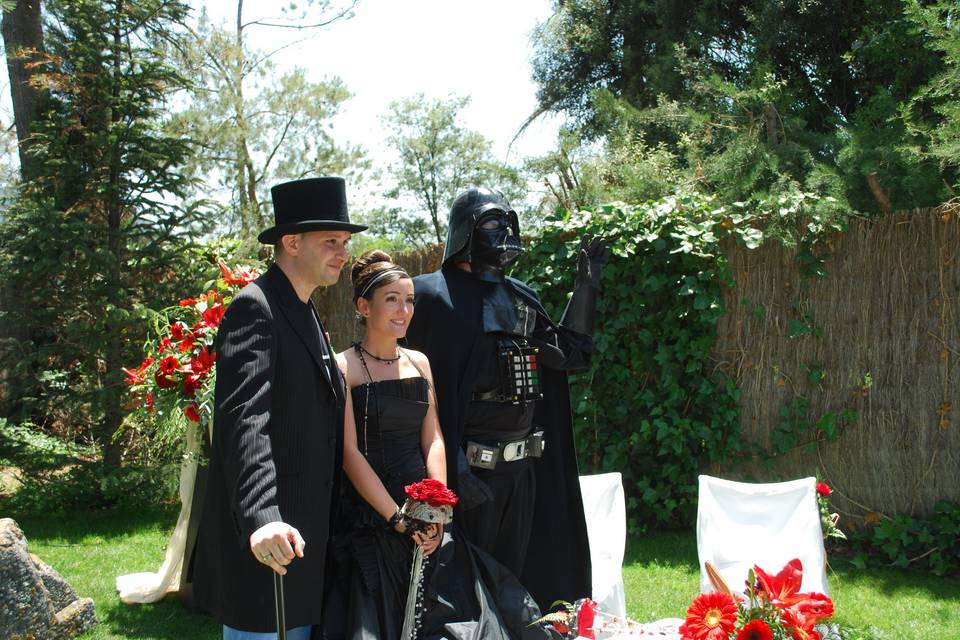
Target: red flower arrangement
pixel 177 376
pixel 774 609
pixel 433 492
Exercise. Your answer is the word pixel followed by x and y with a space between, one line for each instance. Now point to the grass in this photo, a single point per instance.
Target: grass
pixel 91 549
pixel 660 575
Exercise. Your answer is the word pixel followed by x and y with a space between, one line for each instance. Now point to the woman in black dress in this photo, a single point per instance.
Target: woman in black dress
pixel 392 439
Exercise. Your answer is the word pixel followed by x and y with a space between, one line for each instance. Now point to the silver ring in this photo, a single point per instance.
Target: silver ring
pixel 267 557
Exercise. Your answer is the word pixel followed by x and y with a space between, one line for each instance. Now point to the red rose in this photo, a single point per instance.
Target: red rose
pixel 193 415
pixel 176 330
pixel 755 630
pixel 433 492
pixel 169 365
pixel 824 489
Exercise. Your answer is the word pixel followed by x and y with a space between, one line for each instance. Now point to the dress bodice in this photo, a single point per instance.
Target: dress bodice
pixel 389 415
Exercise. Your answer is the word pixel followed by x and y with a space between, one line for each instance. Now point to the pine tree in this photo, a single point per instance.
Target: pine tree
pixel 99 234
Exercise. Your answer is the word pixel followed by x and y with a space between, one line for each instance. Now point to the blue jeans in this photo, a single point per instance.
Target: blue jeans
pixel 300 633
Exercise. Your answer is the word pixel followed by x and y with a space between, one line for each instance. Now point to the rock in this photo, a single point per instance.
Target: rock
pixel 36 603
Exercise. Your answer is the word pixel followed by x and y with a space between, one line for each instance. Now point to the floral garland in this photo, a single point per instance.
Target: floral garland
pixel 177 375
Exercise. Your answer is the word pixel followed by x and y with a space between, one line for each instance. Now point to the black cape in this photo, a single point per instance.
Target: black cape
pixel 447 326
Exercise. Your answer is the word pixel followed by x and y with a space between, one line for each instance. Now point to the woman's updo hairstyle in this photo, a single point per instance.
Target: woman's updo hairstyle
pixel 373 270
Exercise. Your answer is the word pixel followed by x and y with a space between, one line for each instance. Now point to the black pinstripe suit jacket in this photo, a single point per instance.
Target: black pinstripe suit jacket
pixel 275 455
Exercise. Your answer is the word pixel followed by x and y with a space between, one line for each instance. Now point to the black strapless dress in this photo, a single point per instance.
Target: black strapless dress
pixel 467 594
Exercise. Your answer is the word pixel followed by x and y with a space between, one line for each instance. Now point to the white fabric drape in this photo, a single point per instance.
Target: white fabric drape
pixel 142 588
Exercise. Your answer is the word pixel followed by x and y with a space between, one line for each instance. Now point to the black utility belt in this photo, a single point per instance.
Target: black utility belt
pixel 485 456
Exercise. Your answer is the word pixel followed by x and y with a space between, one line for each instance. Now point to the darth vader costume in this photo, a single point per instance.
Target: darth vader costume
pixel 500 367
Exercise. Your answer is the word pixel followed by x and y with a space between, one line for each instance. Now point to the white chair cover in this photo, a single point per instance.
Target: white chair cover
pixel 605 511
pixel 740 525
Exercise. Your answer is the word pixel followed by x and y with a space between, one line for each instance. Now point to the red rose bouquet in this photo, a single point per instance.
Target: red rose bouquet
pixel 429 501
pixel 176 378
pixel 773 609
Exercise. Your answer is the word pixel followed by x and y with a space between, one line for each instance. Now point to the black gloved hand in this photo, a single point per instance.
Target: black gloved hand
pixel 592 256
pixel 471 490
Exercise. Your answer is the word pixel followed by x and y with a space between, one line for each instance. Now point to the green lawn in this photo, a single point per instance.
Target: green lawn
pixel 660 573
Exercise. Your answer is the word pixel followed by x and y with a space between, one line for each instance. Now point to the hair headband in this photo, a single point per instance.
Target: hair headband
pixel 380 276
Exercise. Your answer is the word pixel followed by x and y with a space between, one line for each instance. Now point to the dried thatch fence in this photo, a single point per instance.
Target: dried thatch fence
pixel 888 308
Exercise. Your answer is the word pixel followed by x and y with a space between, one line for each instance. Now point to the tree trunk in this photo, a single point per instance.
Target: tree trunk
pixel 113 358
pixel 23 42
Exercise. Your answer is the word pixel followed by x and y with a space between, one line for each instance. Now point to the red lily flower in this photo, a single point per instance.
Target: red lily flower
pixel 800 627
pixel 193 415
pixel 781 589
pixel 137 376
pixel 163 381
pixel 203 361
pixel 213 315
pixel 190 385
pixel 188 302
pixel 239 276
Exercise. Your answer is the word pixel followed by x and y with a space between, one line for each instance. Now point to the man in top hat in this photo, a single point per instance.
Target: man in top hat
pixel 278 419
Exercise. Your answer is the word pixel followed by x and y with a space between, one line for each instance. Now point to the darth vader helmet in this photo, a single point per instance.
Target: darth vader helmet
pixel 484 231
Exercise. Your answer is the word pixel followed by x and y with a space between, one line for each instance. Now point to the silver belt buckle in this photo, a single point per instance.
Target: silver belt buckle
pixel 515 450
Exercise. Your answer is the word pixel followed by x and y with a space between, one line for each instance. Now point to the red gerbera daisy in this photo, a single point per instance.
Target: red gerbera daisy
pixel 755 630
pixel 712 616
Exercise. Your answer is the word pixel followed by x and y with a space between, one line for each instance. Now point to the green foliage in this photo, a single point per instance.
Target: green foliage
pixel 32 451
pixel 932 544
pixel 101 232
pixel 753 98
pixel 438 159
pixel 92 485
pixel 652 407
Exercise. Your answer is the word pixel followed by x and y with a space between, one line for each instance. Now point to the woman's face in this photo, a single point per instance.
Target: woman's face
pixel 390 308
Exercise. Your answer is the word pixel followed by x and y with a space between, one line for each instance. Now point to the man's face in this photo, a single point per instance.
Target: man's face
pixel 321 256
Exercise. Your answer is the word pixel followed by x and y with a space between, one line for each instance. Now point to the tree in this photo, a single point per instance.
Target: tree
pixel 98 234
pixel 253 125
pixel 23 41
pixel 438 159
pixel 774 95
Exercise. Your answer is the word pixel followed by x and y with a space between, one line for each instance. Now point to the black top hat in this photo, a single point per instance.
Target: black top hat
pixel 314 204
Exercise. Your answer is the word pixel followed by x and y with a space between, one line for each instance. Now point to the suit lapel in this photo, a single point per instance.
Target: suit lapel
pixel 293 310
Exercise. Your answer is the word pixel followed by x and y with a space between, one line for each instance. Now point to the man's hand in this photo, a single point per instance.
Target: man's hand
pixel 276 544
pixel 593 254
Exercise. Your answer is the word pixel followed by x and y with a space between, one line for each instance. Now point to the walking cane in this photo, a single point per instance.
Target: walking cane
pixel 280 606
